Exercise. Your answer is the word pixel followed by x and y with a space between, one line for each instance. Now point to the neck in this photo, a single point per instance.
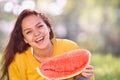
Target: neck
pixel 42 54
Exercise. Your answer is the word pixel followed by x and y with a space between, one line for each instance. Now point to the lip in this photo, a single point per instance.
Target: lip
pixel 39 39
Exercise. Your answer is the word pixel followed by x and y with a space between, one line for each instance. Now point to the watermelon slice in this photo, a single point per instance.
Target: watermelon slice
pixel 65 65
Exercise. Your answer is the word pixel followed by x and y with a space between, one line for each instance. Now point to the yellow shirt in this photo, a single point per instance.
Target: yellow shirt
pixel 24 65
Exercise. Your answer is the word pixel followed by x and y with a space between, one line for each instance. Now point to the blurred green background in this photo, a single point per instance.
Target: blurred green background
pixel 93 24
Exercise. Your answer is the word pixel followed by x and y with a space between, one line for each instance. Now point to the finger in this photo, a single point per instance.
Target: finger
pixel 87 75
pixel 88 71
pixel 89 67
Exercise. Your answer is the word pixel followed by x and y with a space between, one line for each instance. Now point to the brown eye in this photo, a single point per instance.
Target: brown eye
pixel 28 32
pixel 40 26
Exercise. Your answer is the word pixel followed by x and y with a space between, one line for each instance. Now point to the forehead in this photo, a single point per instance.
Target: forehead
pixel 31 20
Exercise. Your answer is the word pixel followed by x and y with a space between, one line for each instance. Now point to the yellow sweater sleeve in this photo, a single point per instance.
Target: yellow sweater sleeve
pixel 13 72
pixel 17 69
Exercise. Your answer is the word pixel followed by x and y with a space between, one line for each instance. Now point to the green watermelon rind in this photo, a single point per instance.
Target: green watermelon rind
pixel 68 76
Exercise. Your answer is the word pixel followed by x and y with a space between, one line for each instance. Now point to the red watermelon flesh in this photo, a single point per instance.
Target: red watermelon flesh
pixel 65 65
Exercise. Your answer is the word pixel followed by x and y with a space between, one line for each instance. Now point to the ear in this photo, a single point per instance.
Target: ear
pixel 49 29
pixel 25 41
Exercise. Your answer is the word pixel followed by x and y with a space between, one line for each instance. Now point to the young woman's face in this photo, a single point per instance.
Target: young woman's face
pixel 35 32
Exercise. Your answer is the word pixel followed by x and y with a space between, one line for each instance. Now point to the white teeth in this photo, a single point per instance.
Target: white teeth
pixel 39 39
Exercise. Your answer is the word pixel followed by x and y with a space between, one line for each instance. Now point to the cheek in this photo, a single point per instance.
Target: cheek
pixel 46 31
pixel 27 39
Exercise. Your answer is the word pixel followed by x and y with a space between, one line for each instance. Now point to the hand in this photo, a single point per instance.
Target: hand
pixel 88 71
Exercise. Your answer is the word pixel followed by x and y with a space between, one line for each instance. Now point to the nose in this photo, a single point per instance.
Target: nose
pixel 36 32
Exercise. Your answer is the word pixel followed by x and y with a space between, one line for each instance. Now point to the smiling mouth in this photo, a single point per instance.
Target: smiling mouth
pixel 39 39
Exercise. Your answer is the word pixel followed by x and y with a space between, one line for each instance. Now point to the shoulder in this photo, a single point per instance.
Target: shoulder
pixel 20 58
pixel 18 66
pixel 65 44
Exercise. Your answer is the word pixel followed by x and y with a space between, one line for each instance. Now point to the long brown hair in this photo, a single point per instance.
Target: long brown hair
pixel 16 42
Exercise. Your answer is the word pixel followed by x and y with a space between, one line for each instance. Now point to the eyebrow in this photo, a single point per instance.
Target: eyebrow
pixel 38 23
pixel 35 25
pixel 26 29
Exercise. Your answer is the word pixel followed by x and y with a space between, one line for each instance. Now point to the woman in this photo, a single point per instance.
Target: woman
pixel 32 42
